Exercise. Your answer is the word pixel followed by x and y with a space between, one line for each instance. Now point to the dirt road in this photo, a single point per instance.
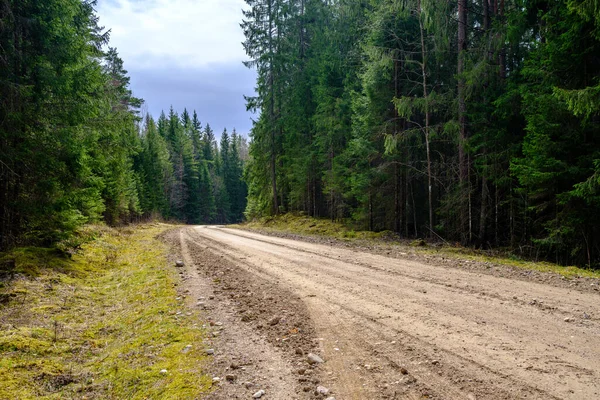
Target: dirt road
pixel 394 328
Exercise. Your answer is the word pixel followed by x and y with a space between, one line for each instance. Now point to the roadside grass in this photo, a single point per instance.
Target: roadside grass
pixel 100 325
pixel 511 260
pixel 305 225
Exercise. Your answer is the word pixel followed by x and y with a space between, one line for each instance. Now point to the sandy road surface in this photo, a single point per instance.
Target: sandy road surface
pixel 393 328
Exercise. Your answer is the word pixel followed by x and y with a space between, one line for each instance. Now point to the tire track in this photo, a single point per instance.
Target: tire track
pixel 457 333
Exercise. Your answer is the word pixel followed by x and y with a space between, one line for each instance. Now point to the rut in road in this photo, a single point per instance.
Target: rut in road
pixel 389 324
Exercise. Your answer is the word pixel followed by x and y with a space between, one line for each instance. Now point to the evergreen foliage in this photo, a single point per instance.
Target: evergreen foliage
pixel 473 120
pixel 73 147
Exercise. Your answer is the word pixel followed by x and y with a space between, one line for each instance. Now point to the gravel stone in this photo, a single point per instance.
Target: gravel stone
pixel 314 359
pixel 187 349
pixel 322 390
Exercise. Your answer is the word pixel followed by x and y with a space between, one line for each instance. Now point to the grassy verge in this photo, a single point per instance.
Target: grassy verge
pixel 464 253
pixel 104 324
pixel 304 225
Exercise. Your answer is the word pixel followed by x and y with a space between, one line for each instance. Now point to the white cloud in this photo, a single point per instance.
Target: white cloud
pixel 182 33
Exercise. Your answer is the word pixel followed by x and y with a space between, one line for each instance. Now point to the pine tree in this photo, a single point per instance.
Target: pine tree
pixel 157 171
pixel 557 170
pixel 224 181
pixel 208 143
pixel 52 87
pixel 263 29
pixel 121 143
pixel 237 187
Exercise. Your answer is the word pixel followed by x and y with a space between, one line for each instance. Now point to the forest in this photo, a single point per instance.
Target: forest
pixel 75 147
pixel 474 122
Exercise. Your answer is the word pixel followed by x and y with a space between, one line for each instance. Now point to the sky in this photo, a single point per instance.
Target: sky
pixel 185 54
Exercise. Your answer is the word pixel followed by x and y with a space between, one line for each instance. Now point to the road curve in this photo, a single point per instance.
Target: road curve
pixel 387 324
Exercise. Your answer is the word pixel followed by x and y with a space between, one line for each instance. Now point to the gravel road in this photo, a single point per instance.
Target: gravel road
pixel 390 327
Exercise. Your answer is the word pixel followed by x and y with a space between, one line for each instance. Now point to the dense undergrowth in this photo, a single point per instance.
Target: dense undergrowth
pixel 305 225
pixel 103 324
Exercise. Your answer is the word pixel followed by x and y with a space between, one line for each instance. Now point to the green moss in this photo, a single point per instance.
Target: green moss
pixel 418 243
pixel 302 224
pixel 99 325
pixel 23 341
pixel 516 262
pixel 31 261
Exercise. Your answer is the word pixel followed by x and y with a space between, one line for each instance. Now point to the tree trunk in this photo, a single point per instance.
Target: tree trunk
pixel 397 222
pixel 486 15
pixel 462 111
pixel 316 212
pixel 414 210
pixel 496 208
pixel 370 210
pixel 502 54
pixel 483 211
pixel 397 183
pixel 272 113
pixel 427 119
pixel 404 212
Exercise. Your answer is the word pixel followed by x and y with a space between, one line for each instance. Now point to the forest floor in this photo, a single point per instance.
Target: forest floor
pixel 389 321
pixel 109 322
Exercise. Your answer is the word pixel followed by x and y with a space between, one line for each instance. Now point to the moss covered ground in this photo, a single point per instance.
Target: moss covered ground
pixel 104 323
pixel 305 225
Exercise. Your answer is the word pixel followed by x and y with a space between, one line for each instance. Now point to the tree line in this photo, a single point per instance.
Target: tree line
pixel 475 121
pixel 187 176
pixel 73 146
